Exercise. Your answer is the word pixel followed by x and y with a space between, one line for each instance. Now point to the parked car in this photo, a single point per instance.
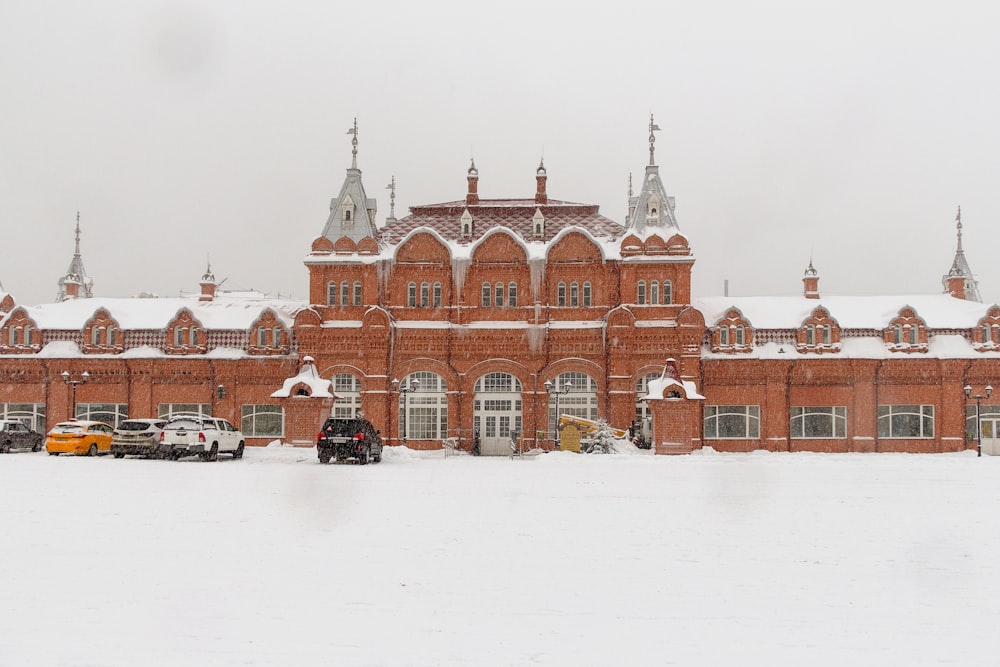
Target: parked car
pixel 16 435
pixel 207 437
pixel 79 437
pixel 352 438
pixel 137 436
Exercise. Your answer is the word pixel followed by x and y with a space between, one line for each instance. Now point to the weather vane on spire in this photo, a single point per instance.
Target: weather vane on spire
pixel 392 197
pixel 653 127
pixel 354 144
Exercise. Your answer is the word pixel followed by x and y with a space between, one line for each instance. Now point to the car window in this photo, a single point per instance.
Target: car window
pixel 183 425
pixel 135 426
pixel 67 428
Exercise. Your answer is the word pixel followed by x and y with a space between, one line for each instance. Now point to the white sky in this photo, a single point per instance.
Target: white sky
pixel 848 131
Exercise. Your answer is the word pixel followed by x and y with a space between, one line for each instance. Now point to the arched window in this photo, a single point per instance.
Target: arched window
pixel 724 335
pixel 897 334
pixel 357 293
pixel 740 335
pixel 95 335
pixel 827 334
pixel 654 292
pixel 411 295
pixel 262 337
pixel 179 337
pixel 586 295
pixel 498 294
pixel 28 331
pixel 425 295
pixel 642 411
pixel 437 295
pixel 668 292
pixel 345 293
pixel 194 335
pixel 987 335
pixel 426 406
pixel 331 293
pixel 512 295
pixel 574 294
pixel 347 215
pixel 14 334
pixel 640 293
pixel 810 334
pixel 276 336
pixel 348 390
pixel 561 294
pixel 487 292
pixel 914 330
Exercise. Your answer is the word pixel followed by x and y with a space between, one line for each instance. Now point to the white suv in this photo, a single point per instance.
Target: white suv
pixel 187 435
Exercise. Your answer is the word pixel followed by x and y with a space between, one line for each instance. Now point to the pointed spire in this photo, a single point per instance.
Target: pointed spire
pixel 75 282
pixel 653 127
pixel 810 282
pixel 76 253
pixel 959 281
pixel 630 195
pixel 392 198
pixel 958 226
pixel 354 144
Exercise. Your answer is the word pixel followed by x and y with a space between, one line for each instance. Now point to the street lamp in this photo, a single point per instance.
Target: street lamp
pixel 405 390
pixel 979 426
pixel 73 383
pixel 554 390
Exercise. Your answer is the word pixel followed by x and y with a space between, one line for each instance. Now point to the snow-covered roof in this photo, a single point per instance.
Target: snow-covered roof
pixel 939 311
pixel 318 387
pixel 229 311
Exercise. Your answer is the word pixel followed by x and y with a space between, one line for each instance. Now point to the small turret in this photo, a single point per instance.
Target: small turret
pixel 540 177
pixel 472 197
pixel 810 282
pixel 208 285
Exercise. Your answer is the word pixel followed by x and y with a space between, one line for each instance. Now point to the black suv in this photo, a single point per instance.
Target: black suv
pixel 353 438
pixel 15 435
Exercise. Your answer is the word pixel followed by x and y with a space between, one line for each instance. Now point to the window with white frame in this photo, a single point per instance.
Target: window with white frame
pixel 642 410
pixel 724 335
pixel 168 410
pixel 732 422
pixel 109 413
pixel 425 295
pixel 437 295
pixel 262 337
pixel 990 412
pixel 427 407
pixel 347 388
pixel 740 334
pixel 819 422
pixel 487 295
pixel 668 293
pixel 276 336
pixel 577 397
pixel 345 293
pixel 262 421
pixel 640 293
pixel 561 294
pixel 906 421
pixel 331 293
pixel 587 295
pixel 357 293
pixel 411 295
pixel 654 292
pixel 498 295
pixel 574 294
pixel 32 414
pixel 194 335
pixel 512 295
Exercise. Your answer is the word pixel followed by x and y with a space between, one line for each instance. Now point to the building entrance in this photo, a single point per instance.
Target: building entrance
pixel 496 413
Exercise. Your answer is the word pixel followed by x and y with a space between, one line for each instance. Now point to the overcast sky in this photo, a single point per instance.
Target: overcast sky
pixel 845 131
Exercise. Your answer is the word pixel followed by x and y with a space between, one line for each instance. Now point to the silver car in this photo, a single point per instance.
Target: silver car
pixel 197 434
pixel 138 437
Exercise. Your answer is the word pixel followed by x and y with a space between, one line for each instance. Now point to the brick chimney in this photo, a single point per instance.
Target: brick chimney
pixel 472 197
pixel 810 283
pixel 540 178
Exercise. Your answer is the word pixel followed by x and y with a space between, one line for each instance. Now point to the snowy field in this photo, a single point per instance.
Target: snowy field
pixel 561 559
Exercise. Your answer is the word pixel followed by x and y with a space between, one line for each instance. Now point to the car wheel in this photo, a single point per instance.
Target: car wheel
pixel 324 456
pixel 53 453
pixel 238 454
pixel 175 455
pixel 37 447
pixel 363 456
pixel 212 454
pixel 5 448
pixel 119 455
pixel 377 458
pixel 93 449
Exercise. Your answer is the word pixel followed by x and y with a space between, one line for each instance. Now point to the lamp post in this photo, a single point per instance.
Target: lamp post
pixel 73 383
pixel 554 390
pixel 979 427
pixel 405 390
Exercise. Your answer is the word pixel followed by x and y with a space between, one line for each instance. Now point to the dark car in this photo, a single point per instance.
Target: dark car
pixel 138 437
pixel 352 438
pixel 15 435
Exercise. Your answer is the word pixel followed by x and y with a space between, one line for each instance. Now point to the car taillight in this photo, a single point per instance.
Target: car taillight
pixel 359 436
pixel 162 435
pixel 201 437
pixel 319 436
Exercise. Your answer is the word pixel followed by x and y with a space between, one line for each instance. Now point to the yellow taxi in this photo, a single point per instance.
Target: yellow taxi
pixel 79 437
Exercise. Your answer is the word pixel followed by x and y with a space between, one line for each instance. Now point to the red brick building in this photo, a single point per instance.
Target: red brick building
pixel 471 319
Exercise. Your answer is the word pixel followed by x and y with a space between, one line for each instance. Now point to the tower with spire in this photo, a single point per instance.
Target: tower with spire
pixel 652 207
pixel 75 283
pixel 352 213
pixel 959 281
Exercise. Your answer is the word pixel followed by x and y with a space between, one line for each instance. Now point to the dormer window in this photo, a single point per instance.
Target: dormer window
pixel 186 334
pixel 19 335
pixel 466 224
pixel 538 224
pixel 267 336
pixel 653 210
pixel 347 213
pixel 100 334
pixel 907 332
pixel 819 333
pixel 987 336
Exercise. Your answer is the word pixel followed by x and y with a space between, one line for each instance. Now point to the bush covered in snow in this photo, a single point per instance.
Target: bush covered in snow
pixel 601 441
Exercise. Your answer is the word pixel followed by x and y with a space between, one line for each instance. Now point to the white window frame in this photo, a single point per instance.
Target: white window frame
pixel 890 425
pixel 748 414
pixel 831 420
pixel 251 414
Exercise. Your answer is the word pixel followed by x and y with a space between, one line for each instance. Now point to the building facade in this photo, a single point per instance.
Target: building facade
pixel 476 321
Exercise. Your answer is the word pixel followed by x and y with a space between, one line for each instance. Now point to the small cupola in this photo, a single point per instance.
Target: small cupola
pixel 472 197
pixel 540 177
pixel 71 286
pixel 538 224
pixel 466 224
pixel 810 282
pixel 208 285
pixel 955 283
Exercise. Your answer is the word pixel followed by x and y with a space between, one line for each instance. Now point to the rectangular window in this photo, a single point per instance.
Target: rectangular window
pixel 95 335
pixel 168 410
pixel 668 292
pixel 411 295
pixel 331 294
pixel 13 334
pixel 345 293
pixel 897 334
pixel 640 296
pixel 263 421
pixel 574 294
pixel 906 421
pixel 913 334
pixel 32 414
pixel 487 291
pixel 561 294
pixel 740 336
pixel 654 292
pixel 737 422
pixel 724 335
pixel 262 337
pixel 819 422
pixel 194 336
pixel 498 295
pixel 827 334
pixel 357 293
pixel 986 334
pixel 28 331
pixel 810 334
pixel 586 295
pixel 425 295
pixel 437 295
pixel 512 295
pixel 276 339
pixel 111 335
pixel 109 413
pixel 179 337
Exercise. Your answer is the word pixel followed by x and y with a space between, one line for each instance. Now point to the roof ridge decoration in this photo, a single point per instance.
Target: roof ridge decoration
pixel 352 213
pixel 653 207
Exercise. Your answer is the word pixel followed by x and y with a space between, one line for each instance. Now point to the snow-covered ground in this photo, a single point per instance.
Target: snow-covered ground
pixel 558 559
